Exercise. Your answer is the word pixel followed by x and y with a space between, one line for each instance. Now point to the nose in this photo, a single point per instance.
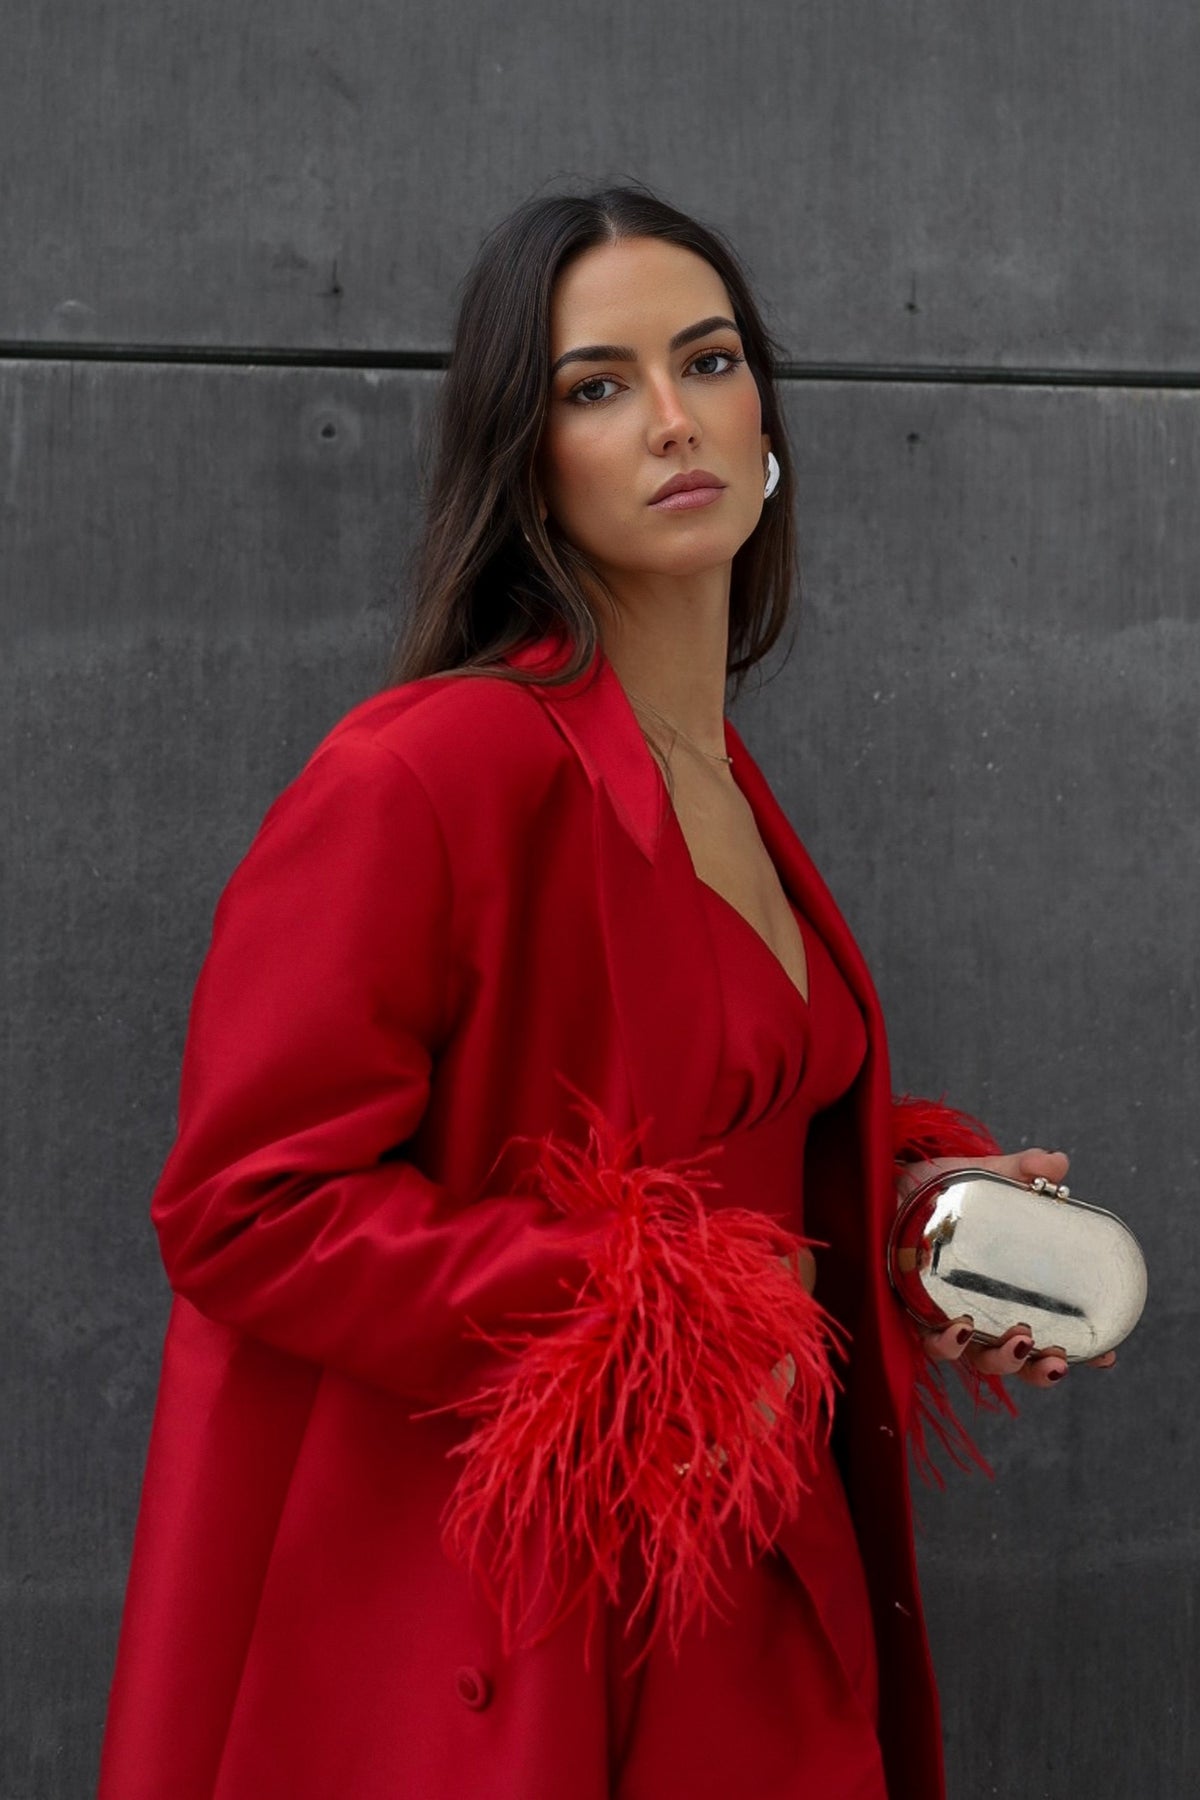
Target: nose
pixel 671 424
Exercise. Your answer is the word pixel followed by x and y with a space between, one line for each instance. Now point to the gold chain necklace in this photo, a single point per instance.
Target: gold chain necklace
pixel 714 754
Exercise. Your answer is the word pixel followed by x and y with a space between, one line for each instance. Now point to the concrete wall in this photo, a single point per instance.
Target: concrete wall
pixel 976 232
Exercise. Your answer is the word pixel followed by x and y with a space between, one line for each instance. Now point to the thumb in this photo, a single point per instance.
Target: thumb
pixel 1052 1164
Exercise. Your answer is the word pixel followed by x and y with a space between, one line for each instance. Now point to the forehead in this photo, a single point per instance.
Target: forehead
pixel 641 290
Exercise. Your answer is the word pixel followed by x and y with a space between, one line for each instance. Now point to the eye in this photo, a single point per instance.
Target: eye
pixel 583 394
pixel 729 357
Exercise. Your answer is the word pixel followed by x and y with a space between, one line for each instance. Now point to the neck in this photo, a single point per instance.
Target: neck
pixel 670 651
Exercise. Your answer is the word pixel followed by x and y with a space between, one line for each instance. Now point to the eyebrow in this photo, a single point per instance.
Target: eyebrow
pixel 626 353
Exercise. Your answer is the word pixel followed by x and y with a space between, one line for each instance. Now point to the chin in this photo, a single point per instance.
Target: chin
pixel 698 553
pixel 693 550
pixel 693 535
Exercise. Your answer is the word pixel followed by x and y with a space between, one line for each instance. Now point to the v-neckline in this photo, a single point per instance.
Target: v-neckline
pixel 804 999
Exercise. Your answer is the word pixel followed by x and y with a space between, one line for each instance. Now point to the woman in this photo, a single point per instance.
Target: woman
pixel 534 1091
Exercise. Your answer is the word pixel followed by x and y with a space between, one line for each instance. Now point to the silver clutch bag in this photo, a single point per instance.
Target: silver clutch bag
pixel 969 1242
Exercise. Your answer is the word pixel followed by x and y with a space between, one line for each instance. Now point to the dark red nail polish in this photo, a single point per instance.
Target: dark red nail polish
pixel 964 1336
pixel 1055 1374
pixel 1022 1348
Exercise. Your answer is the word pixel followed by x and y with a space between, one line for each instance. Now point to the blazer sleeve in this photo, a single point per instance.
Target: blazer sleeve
pixel 286 1208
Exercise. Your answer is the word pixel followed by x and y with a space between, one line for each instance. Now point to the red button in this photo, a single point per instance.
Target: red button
pixel 473 1688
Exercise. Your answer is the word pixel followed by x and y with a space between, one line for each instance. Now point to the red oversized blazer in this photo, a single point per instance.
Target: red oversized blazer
pixel 472 888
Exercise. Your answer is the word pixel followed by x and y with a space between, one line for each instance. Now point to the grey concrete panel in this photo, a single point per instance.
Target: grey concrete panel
pixel 987 733
pixel 1001 185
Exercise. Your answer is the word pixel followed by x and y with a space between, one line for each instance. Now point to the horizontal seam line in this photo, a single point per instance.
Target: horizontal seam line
pixel 266 356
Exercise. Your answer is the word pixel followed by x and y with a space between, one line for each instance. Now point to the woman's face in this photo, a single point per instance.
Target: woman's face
pixel 649 382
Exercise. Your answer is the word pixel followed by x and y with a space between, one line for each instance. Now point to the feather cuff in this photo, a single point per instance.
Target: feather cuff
pixel 922 1130
pixel 681 1395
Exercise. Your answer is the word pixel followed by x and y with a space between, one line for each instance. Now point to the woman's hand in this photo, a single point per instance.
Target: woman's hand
pixel 1014 1354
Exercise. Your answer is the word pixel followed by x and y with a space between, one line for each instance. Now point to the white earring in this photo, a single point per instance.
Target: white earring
pixel 772 474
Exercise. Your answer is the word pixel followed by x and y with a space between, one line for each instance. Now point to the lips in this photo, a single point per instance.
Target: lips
pixel 684 493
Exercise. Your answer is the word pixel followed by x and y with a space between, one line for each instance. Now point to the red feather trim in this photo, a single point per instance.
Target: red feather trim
pixel 921 1131
pixel 658 1411
pixel 933 1411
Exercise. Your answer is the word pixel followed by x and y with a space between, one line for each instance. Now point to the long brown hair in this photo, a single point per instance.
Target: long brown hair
pixel 488 575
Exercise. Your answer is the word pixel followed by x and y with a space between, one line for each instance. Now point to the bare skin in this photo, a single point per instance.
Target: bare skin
pixel 619 427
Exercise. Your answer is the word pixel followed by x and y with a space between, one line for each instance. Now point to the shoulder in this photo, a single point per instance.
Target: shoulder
pixel 467 741
pixel 424 716
pixel 433 771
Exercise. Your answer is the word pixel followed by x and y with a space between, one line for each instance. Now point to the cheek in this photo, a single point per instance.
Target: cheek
pixel 584 467
pixel 747 413
pixel 575 453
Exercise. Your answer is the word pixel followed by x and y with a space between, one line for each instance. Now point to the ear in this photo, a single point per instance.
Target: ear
pixel 766 445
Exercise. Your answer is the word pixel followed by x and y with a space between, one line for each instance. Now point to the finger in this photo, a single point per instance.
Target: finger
pixel 948 1344
pixel 1008 1357
pixel 1103 1362
pixel 1052 1164
pixel 1046 1369
pixel 1023 1165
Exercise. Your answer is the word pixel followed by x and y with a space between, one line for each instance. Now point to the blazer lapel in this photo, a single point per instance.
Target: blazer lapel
pixel 661 967
pixel 799 876
pixel 802 881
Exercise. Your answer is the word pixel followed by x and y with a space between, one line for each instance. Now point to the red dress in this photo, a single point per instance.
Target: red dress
pixel 798 1655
